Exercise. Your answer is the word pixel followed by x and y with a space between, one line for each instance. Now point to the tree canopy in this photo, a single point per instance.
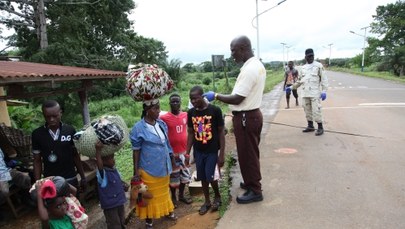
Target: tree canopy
pixel 87 33
pixel 389 24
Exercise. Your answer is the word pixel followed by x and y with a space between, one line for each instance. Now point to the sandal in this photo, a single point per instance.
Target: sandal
pixel 217 203
pixel 149 225
pixel 171 217
pixel 186 200
pixel 204 208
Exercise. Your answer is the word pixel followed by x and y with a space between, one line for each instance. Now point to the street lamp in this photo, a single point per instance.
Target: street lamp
pixel 288 50
pixel 284 44
pixel 330 52
pixel 257 23
pixel 364 44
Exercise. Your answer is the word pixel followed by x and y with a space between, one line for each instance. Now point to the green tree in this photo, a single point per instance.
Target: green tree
pixel 89 33
pixel 173 68
pixel 206 66
pixel 389 23
pixel 189 67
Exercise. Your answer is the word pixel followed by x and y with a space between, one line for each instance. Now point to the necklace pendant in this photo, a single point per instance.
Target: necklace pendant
pixel 52 157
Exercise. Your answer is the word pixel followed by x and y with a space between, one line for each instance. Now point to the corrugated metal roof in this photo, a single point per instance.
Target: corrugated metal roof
pixel 18 71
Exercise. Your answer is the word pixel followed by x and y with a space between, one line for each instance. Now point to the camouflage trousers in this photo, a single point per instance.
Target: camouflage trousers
pixel 313 109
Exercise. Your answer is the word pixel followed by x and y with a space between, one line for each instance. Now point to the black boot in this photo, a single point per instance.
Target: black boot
pixel 310 127
pixel 319 131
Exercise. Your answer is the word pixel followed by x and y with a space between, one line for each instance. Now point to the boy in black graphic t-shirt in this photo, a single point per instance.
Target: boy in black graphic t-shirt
pixel 206 135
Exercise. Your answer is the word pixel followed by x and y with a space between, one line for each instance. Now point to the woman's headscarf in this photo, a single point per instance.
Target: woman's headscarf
pixel 148 104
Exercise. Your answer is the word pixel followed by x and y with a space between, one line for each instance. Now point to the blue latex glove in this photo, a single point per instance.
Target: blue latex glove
pixel 288 89
pixel 12 163
pixel 209 95
pixel 323 96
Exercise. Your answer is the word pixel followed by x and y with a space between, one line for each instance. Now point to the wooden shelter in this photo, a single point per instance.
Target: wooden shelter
pixel 15 76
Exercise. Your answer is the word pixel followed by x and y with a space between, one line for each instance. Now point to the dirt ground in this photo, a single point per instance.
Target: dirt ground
pixel 188 217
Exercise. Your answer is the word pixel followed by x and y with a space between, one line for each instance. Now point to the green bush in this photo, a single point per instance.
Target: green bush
pixel 23 117
pixel 207 81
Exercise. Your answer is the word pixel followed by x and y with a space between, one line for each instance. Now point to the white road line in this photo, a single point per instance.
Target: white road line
pixel 382 104
pixel 365 88
pixel 398 105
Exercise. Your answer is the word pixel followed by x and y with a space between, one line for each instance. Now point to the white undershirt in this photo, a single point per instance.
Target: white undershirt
pixel 155 129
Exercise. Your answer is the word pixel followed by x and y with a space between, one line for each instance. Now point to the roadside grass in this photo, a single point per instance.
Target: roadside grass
pixel 273 78
pixel 380 75
pixel 226 184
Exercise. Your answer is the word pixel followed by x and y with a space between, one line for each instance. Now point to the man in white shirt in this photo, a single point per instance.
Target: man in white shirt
pixel 245 101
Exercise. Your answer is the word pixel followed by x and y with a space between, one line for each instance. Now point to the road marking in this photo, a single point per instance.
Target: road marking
pixel 286 150
pixel 360 106
pixel 382 104
pixel 364 87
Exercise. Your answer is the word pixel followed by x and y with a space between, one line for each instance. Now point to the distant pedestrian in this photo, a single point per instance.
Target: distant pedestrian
pixel 111 189
pixel 247 120
pixel 206 136
pixel 176 121
pixel 314 86
pixel 290 77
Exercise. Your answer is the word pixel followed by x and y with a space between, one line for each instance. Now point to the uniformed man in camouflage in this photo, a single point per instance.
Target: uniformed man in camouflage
pixel 314 86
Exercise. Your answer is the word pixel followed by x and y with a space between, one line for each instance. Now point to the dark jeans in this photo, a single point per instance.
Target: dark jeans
pixel 247 144
pixel 115 217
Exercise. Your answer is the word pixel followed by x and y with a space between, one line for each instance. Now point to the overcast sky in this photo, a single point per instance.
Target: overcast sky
pixel 194 30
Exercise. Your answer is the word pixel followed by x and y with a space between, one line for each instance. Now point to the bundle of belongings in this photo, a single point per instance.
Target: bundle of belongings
pixel 111 130
pixel 147 81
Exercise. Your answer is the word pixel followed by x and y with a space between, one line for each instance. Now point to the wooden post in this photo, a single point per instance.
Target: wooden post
pixel 84 102
pixel 4 116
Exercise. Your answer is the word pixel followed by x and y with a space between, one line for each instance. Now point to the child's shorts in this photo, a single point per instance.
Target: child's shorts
pixel 181 175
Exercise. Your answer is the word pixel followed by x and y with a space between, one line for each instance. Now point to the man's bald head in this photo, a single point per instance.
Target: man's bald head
pixel 241 49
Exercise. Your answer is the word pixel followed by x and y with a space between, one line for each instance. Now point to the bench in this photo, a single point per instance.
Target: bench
pixel 16 144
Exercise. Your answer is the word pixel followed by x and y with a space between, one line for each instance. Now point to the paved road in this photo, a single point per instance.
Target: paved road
pixel 351 177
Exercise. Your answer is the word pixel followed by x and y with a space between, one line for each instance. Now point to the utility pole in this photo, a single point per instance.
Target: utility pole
pixel 364 47
pixel 364 44
pixel 330 52
pixel 284 44
pixel 257 24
